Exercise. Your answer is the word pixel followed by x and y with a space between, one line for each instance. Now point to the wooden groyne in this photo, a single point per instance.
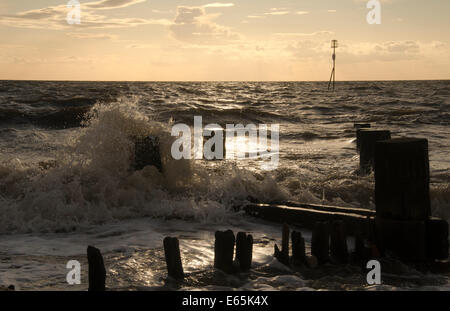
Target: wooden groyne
pixel 402 223
pixel 308 215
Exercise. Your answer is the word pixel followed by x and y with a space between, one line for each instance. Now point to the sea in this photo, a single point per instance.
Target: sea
pixel 66 177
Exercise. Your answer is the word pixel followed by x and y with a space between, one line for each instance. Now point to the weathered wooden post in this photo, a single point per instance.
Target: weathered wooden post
pixel 437 238
pixel 359 127
pixel 97 271
pixel 244 250
pixel 402 201
pixel 367 141
pixel 402 177
pixel 224 251
pixel 147 153
pixel 338 245
pixel 298 248
pixel 173 258
pixel 283 255
pixel 320 242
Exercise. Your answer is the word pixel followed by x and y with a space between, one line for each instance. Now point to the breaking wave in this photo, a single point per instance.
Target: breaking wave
pixel 90 180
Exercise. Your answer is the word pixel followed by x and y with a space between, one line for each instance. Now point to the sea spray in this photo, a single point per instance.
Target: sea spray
pixel 92 181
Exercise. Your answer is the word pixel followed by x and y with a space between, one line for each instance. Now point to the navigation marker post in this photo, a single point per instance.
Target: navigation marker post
pixel 334 45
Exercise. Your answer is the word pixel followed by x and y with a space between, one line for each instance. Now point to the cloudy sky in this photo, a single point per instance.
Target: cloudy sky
pixel 230 40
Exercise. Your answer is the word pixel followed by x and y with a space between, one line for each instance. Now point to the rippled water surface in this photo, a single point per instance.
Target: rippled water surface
pixel 65 178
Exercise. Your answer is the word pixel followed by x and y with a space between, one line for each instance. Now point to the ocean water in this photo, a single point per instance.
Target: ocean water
pixel 65 178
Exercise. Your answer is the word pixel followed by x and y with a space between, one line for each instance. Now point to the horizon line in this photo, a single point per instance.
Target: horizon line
pixel 180 81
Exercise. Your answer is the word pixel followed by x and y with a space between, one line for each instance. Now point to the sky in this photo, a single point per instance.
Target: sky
pixel 232 40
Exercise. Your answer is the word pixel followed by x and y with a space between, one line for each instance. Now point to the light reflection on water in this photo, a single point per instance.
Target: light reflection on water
pixel 135 261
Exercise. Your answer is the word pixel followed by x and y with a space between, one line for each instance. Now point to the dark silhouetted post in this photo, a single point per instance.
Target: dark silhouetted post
pixel 173 258
pixel 437 242
pixel 283 255
pixel 97 271
pixel 406 239
pixel 367 141
pixel 320 242
pixel 359 127
pixel 402 177
pixel 298 248
pixel 224 250
pixel 244 250
pixel 147 153
pixel 334 45
pixel 338 245
pixel 402 197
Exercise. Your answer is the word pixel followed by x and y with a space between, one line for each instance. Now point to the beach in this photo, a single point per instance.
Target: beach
pixel 66 182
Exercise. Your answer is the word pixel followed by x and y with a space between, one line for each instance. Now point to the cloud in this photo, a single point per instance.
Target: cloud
pixel 54 17
pixel 277 13
pixel 302 12
pixel 308 49
pixel 110 4
pixel 365 1
pixel 300 34
pixel 162 11
pixel 399 47
pixel 194 25
pixel 357 52
pixel 218 5
pixel 140 46
pixel 99 36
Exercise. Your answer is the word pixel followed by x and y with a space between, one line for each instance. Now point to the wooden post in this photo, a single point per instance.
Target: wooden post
pixel 224 251
pixel 320 242
pixel 402 177
pixel 368 139
pixel 173 258
pixel 244 250
pixel 338 245
pixel 283 255
pixel 298 248
pixel 406 239
pixel 358 127
pixel 97 271
pixel 437 239
pixel 147 153
pixel 402 199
